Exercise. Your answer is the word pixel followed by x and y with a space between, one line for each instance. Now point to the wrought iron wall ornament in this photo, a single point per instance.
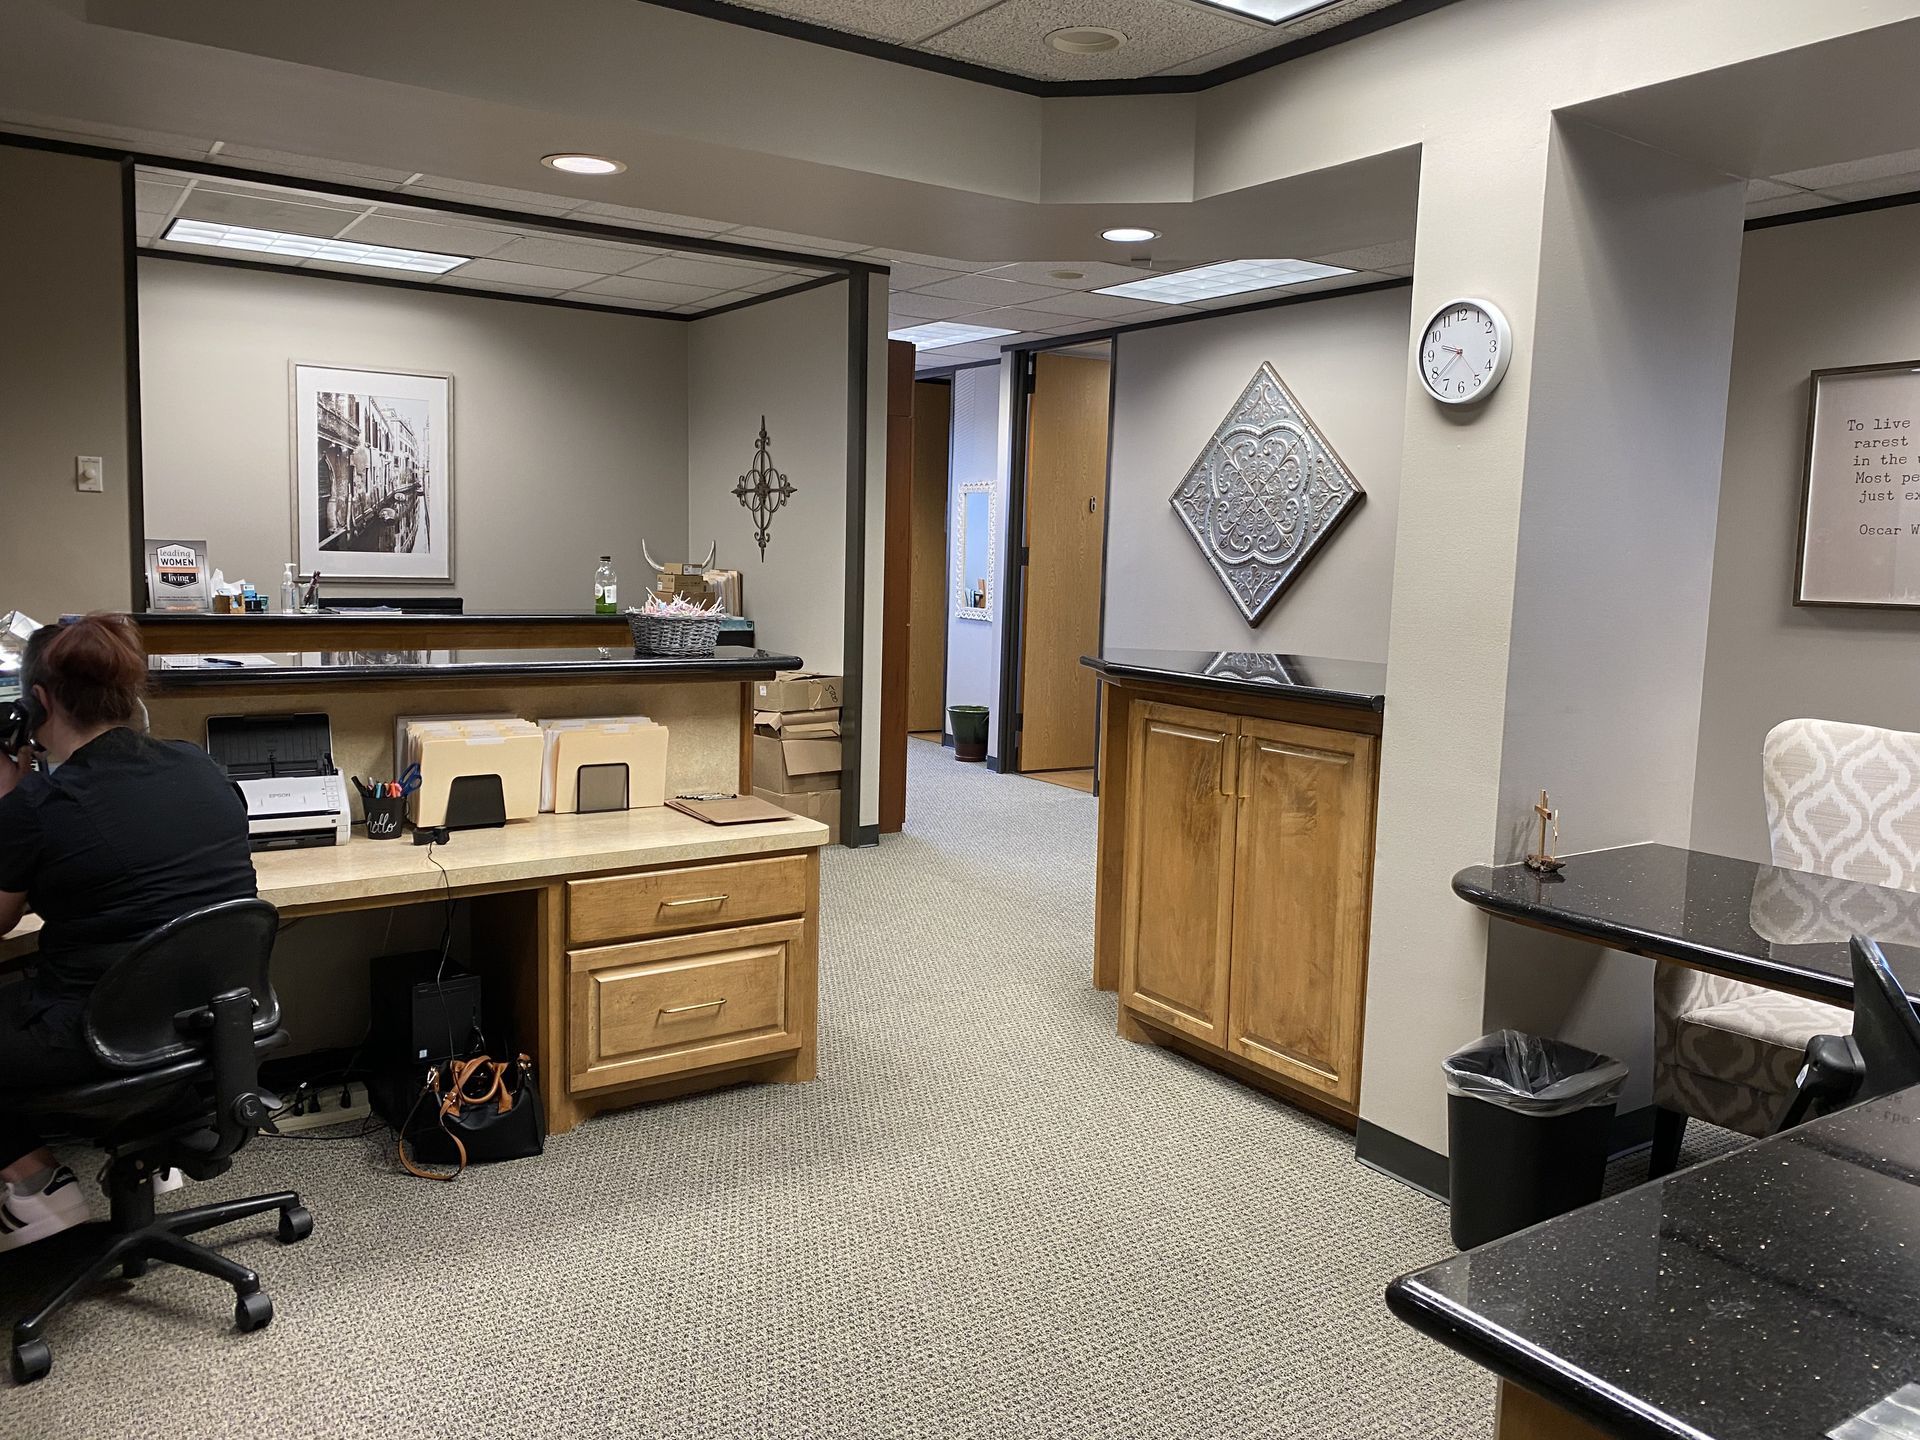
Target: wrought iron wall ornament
pixel 763 489
pixel 1264 495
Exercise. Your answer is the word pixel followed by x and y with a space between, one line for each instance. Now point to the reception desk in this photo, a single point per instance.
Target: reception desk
pixel 1235 861
pixel 640 953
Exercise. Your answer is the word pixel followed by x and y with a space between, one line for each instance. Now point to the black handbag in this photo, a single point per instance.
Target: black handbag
pixel 471 1112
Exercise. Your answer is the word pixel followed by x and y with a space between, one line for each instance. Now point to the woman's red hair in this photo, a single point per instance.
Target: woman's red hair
pixel 94 668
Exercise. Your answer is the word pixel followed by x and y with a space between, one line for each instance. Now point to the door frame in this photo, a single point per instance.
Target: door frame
pixel 1013 538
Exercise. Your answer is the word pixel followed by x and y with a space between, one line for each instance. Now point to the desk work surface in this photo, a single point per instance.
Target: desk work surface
pixel 1786 929
pixel 1766 1295
pixel 363 871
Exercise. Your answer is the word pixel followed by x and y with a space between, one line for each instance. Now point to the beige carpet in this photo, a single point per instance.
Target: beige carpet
pixel 990 1217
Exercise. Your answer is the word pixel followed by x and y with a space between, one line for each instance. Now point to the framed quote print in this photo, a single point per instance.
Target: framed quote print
pixel 1860 503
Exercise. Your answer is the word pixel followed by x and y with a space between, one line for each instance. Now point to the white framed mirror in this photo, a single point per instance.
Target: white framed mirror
pixel 974 549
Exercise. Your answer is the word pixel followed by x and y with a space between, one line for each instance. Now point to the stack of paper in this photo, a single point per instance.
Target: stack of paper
pixel 449 747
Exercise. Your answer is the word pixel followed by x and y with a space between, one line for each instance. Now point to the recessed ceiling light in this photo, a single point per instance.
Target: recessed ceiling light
pixel 582 164
pixel 1129 235
pixel 1230 277
pixel 1086 40
pixel 1066 274
pixel 1271 11
pixel 942 333
pixel 311 247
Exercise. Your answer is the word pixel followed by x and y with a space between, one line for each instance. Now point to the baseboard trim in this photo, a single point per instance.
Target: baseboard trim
pixel 946 739
pixel 1378 1148
pixel 993 763
pixel 864 836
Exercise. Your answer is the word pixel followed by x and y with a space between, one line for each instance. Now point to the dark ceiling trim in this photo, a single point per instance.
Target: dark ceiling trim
pixel 802 288
pixel 392 282
pixel 1058 342
pixel 1836 210
pixel 1052 89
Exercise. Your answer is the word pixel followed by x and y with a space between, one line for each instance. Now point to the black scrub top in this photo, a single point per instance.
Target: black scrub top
pixel 130 833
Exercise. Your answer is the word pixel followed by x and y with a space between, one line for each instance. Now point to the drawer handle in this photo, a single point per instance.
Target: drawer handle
pixel 684 1009
pixel 696 900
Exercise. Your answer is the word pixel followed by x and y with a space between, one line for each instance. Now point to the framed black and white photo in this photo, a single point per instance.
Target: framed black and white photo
pixel 1860 500
pixel 373 473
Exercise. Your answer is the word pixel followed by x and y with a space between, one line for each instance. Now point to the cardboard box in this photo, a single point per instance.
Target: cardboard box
pixel 798 690
pixel 821 805
pixel 798 724
pixel 793 767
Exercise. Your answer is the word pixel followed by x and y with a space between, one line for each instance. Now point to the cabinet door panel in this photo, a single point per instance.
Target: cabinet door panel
pixel 1302 898
pixel 1179 888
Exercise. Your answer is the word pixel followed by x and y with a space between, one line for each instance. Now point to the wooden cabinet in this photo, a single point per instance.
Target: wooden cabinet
pixel 1247 873
pixel 690 897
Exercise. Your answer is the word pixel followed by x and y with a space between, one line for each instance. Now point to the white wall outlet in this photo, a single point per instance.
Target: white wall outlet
pixel 89 474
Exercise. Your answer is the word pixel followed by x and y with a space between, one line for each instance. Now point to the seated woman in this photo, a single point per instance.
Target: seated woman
pixel 113 836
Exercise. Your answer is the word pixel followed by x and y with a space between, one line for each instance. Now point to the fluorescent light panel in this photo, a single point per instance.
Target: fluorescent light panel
pixel 1229 277
pixel 1271 11
pixel 942 333
pixel 311 247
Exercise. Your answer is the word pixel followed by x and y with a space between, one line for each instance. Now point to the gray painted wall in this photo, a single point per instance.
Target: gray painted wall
pixel 569 427
pixel 63 384
pixel 1343 358
pixel 1812 296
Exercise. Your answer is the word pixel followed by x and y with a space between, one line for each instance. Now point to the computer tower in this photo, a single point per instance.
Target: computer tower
pixel 423 1014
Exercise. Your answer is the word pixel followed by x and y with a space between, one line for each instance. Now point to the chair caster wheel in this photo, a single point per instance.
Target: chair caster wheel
pixel 252 1312
pixel 134 1269
pixel 31 1361
pixel 296 1224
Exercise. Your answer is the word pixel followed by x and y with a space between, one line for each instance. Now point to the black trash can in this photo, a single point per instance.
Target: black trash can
pixel 1528 1120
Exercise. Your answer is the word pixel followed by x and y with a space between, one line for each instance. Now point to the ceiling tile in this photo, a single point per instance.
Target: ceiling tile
pixel 460 280
pixel 1787 204
pixel 1851 172
pixel 787 240
pixel 147 224
pixel 926 307
pixel 725 297
pixel 1079 274
pixel 906 276
pixel 1369 257
pixel 680 270
pixel 960 354
pixel 1161 34
pixel 384 229
pixel 1098 307
pixel 649 219
pixel 1270 36
pixel 618 302
pixel 1876 188
pixel 311 166
pixel 498 197
pixel 988 293
pixel 1025 320
pixel 1768 190
pixel 655 292
pixel 262 211
pixel 901 21
pixel 507 272
pixel 932 262
pixel 609 259
pixel 155 197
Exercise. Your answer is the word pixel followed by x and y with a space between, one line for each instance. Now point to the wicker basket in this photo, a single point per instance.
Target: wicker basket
pixel 675 634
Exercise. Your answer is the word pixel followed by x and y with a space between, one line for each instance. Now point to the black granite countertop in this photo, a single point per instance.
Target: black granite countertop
pixel 332 667
pixel 344 610
pixel 1783 928
pixel 1357 683
pixel 1771 1294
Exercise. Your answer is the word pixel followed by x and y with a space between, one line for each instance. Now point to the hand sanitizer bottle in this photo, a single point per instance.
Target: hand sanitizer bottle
pixel 290 592
pixel 606 588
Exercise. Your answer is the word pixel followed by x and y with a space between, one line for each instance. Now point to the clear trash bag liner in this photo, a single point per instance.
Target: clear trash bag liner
pixel 1533 1075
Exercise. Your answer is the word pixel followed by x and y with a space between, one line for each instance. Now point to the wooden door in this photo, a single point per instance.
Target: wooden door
pixel 1066 498
pixel 1301 903
pixel 896 593
pixel 1178 926
pixel 927 627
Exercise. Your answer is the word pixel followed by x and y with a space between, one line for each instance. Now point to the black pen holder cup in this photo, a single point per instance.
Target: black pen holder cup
pixel 386 817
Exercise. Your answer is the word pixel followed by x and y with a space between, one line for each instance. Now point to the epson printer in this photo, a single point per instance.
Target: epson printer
pixel 284 767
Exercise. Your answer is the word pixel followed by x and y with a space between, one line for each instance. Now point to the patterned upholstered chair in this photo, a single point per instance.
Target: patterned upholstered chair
pixel 1844 801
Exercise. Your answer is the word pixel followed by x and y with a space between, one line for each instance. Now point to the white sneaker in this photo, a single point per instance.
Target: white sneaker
pixel 34 1215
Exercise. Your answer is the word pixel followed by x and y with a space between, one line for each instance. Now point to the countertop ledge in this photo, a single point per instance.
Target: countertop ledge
pixel 331 667
pixel 1357 684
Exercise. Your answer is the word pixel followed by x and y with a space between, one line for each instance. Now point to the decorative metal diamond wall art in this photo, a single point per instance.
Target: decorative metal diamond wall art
pixel 762 489
pixel 1265 494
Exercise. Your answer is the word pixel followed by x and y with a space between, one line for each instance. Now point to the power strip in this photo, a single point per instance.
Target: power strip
pixel 334 1114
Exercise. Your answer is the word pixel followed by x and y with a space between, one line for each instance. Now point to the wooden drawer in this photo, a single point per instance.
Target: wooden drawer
pixel 660 1007
pixel 697 897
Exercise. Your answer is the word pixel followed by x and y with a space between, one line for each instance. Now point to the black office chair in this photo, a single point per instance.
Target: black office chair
pixel 1880 1056
pixel 181 1022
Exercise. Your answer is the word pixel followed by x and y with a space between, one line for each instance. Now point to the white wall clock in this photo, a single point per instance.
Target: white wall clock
pixel 1464 351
